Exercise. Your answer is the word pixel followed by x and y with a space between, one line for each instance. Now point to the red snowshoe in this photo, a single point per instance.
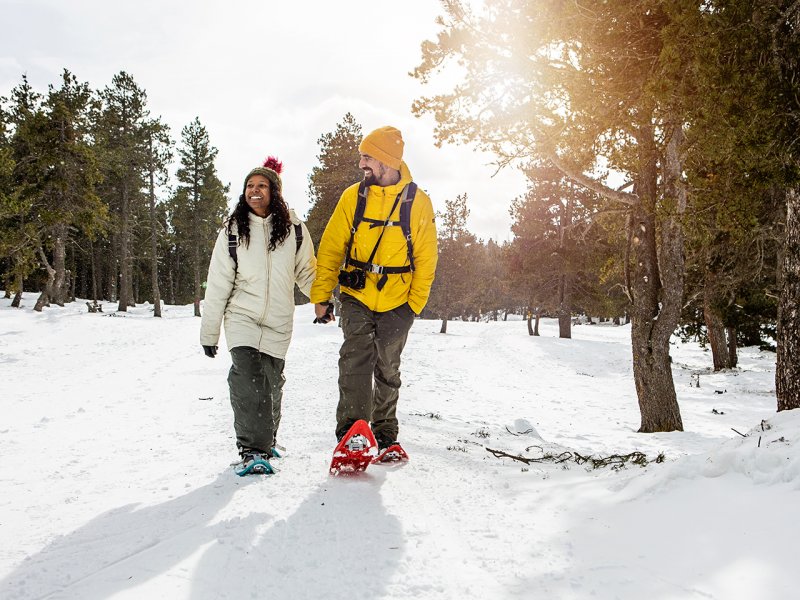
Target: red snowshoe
pixel 355 450
pixel 393 453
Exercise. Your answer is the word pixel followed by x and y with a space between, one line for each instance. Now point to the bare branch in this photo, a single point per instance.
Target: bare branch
pixel 592 184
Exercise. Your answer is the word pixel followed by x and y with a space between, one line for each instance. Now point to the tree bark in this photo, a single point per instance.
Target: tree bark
pixel 196 249
pixel 112 268
pixel 657 292
pixel 564 283
pixel 787 371
pixel 733 347
pixel 443 329
pixel 58 287
pixel 47 290
pixel 19 284
pixel 715 328
pixel 124 253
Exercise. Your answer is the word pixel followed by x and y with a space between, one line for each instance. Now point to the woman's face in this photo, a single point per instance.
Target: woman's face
pixel 256 193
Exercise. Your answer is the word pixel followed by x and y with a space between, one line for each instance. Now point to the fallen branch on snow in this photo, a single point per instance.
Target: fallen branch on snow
pixel 615 461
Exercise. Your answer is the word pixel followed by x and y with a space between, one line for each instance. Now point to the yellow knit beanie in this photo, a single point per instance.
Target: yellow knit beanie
pixel 384 144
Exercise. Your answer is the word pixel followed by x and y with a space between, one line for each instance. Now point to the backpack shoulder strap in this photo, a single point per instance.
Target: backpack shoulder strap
pixel 361 206
pixel 298 235
pixel 358 216
pixel 233 242
pixel 405 220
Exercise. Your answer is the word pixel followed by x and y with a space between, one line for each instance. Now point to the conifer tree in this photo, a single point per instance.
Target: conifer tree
pixel 558 82
pixel 453 288
pixel 198 205
pixel 7 211
pixel 336 171
pixel 19 233
pixel 121 133
pixel 159 155
pixel 55 179
pixel 70 173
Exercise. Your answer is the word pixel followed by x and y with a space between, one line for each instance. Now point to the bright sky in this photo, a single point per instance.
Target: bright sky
pixel 264 78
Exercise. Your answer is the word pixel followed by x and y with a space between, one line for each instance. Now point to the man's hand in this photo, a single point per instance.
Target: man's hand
pixel 324 312
pixel 211 351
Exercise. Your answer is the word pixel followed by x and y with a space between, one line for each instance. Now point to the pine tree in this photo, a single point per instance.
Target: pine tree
pixel 453 288
pixel 19 233
pixel 556 82
pixel 7 209
pixel 159 156
pixel 198 205
pixel 121 133
pixel 337 170
pixel 68 189
pixel 55 179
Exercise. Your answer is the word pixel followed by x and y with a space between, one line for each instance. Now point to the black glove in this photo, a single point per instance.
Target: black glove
pixel 326 318
pixel 211 351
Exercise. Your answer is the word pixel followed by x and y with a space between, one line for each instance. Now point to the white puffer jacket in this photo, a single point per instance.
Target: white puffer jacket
pixel 256 298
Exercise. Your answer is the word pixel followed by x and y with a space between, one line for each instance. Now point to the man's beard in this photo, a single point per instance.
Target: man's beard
pixel 370 178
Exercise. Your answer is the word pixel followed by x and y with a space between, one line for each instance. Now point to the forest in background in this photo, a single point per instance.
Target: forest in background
pixel 694 107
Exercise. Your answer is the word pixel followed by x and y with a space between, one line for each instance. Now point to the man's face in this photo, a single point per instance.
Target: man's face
pixel 374 170
pixel 256 192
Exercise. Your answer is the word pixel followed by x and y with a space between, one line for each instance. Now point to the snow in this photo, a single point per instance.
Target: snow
pixel 117 435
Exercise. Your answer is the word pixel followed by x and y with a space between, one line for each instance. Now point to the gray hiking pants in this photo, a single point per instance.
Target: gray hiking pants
pixel 369 367
pixel 256 388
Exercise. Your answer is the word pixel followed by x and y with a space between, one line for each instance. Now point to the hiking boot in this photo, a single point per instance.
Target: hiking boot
pixel 253 462
pixel 384 442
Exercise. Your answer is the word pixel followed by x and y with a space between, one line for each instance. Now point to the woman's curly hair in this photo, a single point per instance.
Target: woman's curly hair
pixel 281 221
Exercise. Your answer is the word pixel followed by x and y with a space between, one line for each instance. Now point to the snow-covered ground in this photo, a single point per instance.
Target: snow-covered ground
pixel 116 437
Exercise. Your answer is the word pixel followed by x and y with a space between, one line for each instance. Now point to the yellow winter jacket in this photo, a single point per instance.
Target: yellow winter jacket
pixel 413 287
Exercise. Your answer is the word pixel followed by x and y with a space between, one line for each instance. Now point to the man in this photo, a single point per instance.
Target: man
pixel 385 281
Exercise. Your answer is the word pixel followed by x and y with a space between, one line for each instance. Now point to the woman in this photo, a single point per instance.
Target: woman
pixel 257 259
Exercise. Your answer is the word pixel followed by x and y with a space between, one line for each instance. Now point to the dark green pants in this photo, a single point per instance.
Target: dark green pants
pixel 369 367
pixel 256 388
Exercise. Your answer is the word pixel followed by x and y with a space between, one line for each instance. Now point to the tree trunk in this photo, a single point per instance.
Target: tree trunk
pixel 171 285
pixel 124 253
pixel 657 294
pixel 714 325
pixel 197 286
pixel 19 284
pixel 58 286
pixel 93 267
pixel 112 268
pixel 47 291
pixel 564 287
pixel 530 324
pixel 196 249
pixel 536 323
pixel 733 356
pixel 787 371
pixel 443 329
pixel 564 312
